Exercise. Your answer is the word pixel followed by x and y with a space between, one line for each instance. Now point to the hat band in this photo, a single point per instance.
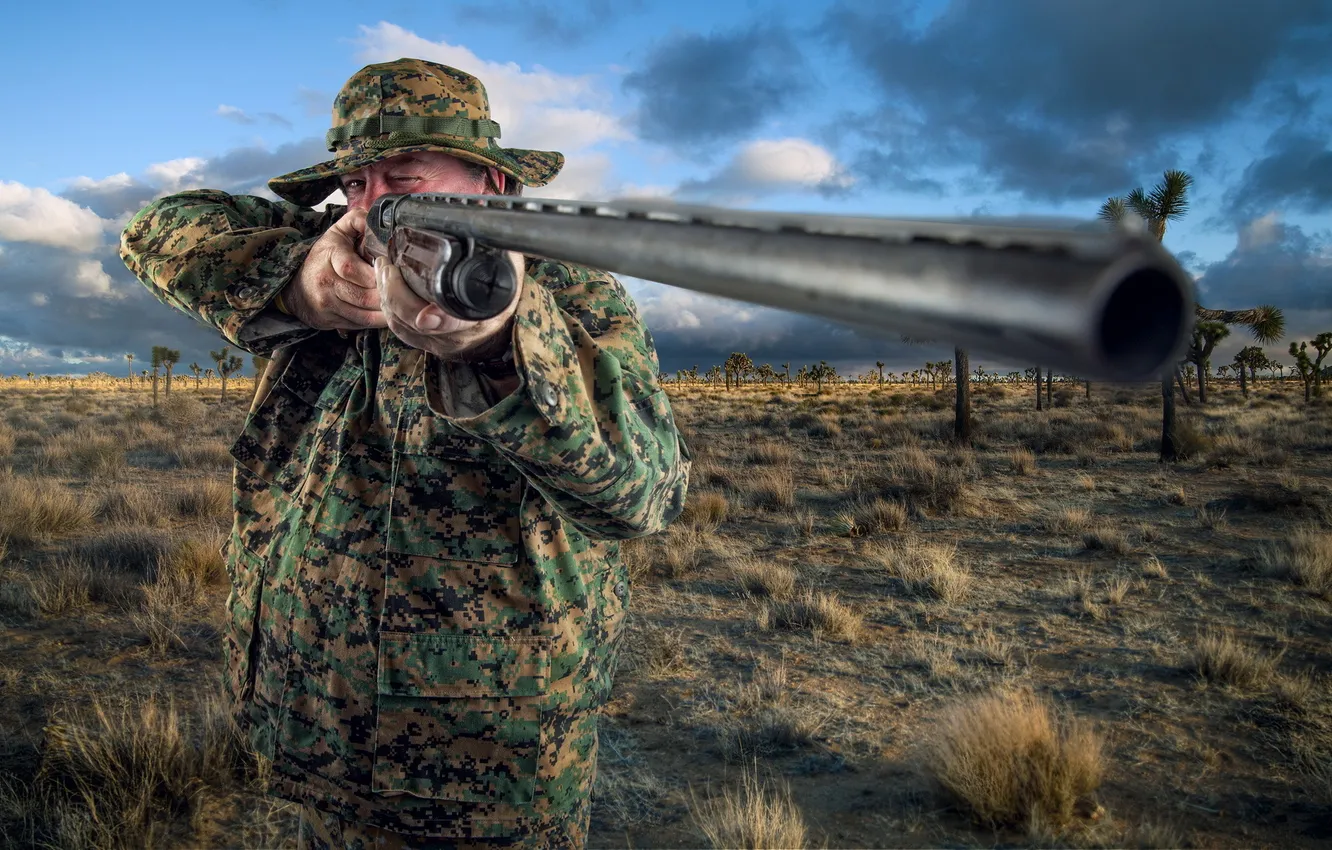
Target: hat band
pixel 377 125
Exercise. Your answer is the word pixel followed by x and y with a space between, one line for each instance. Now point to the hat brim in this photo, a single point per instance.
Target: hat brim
pixel 308 186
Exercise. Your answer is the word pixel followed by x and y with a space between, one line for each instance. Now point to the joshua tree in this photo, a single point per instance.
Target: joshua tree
pixel 160 353
pixel 1205 337
pixel 196 369
pixel 170 357
pixel 1322 344
pixel 1304 366
pixel 786 369
pixel 1169 201
pixel 1245 363
pixel 879 363
pixel 713 374
pixel 820 373
pixel 227 365
pixel 962 404
pixel 129 358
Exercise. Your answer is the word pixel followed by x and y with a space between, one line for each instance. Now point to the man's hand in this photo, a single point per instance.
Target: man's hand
pixel 335 288
pixel 423 325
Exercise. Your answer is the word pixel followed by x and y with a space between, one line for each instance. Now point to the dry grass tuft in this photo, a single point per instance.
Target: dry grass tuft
pixel 1021 462
pixel 681 550
pixel 765 578
pixel 882 515
pixel 822 613
pixel 204 499
pixel 926 569
pixel 83 452
pixel 127 773
pixel 131 504
pixel 1305 558
pixel 1153 568
pixel 1069 521
pixel 204 454
pixel 1218 656
pixel 770 454
pixel 772 487
pixel 61 588
pixel 181 412
pixel 1007 760
pixel 36 510
pixel 754 817
pixel 705 509
pixel 1107 539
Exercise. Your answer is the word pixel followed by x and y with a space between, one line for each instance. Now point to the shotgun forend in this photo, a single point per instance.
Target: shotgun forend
pixel 1102 303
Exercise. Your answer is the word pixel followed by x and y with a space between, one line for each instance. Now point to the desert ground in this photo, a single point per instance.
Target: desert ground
pixel 858 634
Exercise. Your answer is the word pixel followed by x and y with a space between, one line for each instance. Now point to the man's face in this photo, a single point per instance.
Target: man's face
pixel 425 171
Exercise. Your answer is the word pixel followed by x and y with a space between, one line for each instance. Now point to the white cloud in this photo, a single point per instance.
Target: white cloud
pixel 114 183
pixel 1261 231
pixel 39 299
pixel 587 177
pixel 774 165
pixel 536 108
pixel 176 175
pixel 35 215
pixel 91 281
pixel 234 113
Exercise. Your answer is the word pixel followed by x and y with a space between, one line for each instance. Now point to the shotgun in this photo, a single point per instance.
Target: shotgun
pixel 1099 302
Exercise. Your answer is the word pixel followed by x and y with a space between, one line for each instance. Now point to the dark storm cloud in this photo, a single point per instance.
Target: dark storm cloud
pixel 249 166
pixel 696 89
pixel 552 23
pixel 1272 263
pixel 1295 173
pixel 1060 100
pixel 111 197
pixel 50 309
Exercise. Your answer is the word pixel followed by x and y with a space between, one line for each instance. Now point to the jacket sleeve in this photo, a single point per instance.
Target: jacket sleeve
pixel 221 258
pixel 589 424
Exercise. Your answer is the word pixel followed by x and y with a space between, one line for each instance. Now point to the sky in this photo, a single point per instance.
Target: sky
pixel 884 107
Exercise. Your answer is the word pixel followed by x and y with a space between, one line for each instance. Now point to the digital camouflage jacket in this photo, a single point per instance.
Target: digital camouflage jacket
pixel 425 608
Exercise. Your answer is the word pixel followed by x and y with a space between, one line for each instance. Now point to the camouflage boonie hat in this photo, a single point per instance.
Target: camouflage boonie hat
pixel 406 106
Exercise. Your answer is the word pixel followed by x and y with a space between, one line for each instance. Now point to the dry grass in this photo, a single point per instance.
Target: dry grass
pixel 704 508
pixel 1107 539
pixel 131 776
pixel 1153 568
pixel 82 452
pixel 1021 462
pixel 1008 761
pixel 764 578
pixel 753 816
pixel 1069 521
pixel 681 551
pixel 1305 558
pixel 131 504
pixel 1220 657
pixel 772 487
pixel 36 510
pixel 205 499
pixel 926 569
pixel 62 588
pixel 822 613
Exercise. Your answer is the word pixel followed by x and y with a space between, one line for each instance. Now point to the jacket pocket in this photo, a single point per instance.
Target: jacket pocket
pixel 454 497
pixel 293 431
pixel 238 636
pixel 459 716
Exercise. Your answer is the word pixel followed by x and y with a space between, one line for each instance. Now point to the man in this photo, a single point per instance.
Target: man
pixel 427 594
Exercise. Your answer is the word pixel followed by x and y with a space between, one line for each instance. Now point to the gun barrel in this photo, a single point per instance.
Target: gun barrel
pixel 1104 304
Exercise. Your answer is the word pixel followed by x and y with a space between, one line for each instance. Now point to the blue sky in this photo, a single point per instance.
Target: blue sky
pixel 948 107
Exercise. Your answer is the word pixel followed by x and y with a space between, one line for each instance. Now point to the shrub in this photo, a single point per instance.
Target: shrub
pixel 822 613
pixel 33 509
pixel 1007 760
pixel 753 817
pixel 765 578
pixel 1219 657
pixel 1305 558
pixel 926 569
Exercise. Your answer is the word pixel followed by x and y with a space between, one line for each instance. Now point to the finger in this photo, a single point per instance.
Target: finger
pixel 395 295
pixel 350 267
pixel 358 319
pixel 357 296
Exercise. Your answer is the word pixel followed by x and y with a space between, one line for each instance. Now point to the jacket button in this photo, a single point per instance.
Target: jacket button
pixel 246 293
pixel 621 589
pixel 548 394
